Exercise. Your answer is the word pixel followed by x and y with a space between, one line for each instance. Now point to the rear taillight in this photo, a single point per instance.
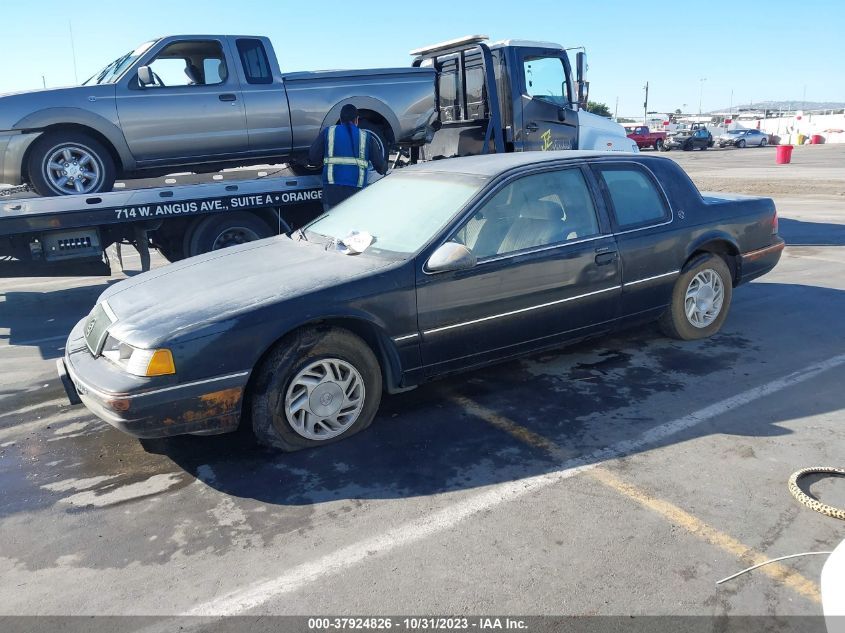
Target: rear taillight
pixel 775 223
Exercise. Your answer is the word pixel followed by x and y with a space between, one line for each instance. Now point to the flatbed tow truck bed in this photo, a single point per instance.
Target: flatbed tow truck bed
pixel 190 214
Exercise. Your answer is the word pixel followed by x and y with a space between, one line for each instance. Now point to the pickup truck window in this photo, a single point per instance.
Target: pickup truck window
pixel 189 63
pixel 448 88
pixel 636 200
pixel 254 61
pixel 545 78
pixel 114 70
pixel 538 210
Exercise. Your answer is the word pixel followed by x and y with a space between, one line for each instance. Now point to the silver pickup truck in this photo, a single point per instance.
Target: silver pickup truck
pixel 197 103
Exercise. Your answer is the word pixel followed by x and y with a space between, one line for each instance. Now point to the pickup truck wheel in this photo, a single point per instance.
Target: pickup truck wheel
pixel 315 388
pixel 700 299
pixel 378 132
pixel 658 144
pixel 216 232
pixel 69 163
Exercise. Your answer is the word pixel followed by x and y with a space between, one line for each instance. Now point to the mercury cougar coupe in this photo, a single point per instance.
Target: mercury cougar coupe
pixel 441 267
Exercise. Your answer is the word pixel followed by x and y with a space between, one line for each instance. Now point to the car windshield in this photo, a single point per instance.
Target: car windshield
pixel 736 132
pixel 402 211
pixel 113 71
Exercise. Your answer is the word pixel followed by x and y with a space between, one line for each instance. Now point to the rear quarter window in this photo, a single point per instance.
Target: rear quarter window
pixel 254 61
pixel 634 197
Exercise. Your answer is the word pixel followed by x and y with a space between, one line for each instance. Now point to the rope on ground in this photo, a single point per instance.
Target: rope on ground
pixel 774 560
pixel 814 504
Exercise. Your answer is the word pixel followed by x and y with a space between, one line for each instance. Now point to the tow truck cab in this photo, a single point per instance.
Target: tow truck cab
pixel 512 96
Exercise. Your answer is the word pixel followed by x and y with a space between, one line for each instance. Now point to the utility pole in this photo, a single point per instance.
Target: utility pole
pixel 616 110
pixel 700 92
pixel 44 82
pixel 645 105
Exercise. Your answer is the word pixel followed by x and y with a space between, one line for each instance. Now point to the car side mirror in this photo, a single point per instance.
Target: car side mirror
pixel 450 256
pixel 582 86
pixel 145 76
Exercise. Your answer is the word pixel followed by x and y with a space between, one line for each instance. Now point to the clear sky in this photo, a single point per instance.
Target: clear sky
pixel 774 50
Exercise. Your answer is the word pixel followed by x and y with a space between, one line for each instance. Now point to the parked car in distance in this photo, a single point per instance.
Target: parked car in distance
pixel 197 103
pixel 434 269
pixel 645 137
pixel 742 138
pixel 689 140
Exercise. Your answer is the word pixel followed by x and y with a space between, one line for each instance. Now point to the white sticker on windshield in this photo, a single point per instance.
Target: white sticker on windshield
pixel 357 242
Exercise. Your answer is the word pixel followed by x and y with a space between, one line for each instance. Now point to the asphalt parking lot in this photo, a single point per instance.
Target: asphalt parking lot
pixel 623 476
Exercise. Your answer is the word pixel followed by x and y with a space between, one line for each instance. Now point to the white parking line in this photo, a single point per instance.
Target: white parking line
pixel 242 600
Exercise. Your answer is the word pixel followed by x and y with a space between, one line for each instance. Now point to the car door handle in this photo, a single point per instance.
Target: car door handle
pixel 603 259
pixel 228 97
pixel 532 127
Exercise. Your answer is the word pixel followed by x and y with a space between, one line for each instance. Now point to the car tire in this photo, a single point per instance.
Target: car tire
pixel 75 147
pixel 704 147
pixel 221 231
pixel 687 147
pixel 704 282
pixel 658 145
pixel 764 141
pixel 740 143
pixel 283 403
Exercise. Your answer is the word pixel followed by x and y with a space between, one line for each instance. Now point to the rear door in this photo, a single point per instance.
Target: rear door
pixel 193 110
pixel 547 269
pixel 549 121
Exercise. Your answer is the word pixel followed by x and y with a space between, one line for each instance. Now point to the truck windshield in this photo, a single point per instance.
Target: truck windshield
pixel 402 211
pixel 113 71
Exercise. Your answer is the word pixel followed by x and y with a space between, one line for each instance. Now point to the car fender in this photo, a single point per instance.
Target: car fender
pixel 365 103
pixel 708 239
pixel 48 117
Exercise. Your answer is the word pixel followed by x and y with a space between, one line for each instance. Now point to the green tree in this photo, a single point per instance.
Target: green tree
pixel 598 108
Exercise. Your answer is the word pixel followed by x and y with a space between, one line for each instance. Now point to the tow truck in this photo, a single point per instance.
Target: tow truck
pixel 500 97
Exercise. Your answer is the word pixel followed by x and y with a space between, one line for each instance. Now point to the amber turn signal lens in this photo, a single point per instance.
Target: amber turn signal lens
pixel 161 363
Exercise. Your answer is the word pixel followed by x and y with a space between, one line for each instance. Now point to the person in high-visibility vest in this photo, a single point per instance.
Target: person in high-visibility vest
pixel 346 153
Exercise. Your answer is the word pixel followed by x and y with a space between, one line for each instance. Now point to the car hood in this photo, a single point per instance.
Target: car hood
pixel 176 300
pixel 15 107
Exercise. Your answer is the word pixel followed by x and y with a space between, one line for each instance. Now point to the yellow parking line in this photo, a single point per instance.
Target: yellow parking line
pixel 672 513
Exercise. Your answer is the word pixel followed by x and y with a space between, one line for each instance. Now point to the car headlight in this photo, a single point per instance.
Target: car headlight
pixel 137 361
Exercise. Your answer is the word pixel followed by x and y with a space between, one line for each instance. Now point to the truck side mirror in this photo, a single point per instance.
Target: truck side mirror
pixel 145 76
pixel 583 86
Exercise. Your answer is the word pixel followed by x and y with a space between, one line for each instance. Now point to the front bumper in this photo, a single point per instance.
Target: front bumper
pixel 725 142
pixel 757 263
pixel 13 146
pixel 203 407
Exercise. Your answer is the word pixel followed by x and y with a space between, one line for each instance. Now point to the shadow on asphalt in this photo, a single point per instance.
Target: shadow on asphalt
pixel 800 233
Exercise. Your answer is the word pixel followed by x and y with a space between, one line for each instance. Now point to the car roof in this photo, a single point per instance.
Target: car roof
pixel 495 164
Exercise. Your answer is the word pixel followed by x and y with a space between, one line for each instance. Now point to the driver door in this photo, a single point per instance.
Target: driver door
pixel 549 122
pixel 194 110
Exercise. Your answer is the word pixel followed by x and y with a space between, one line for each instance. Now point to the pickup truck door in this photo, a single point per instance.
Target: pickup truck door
pixel 548 120
pixel 193 109
pixel 547 270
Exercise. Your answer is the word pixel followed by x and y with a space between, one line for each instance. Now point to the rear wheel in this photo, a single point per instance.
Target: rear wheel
pixel 216 232
pixel 376 130
pixel 69 163
pixel 315 388
pixel 700 299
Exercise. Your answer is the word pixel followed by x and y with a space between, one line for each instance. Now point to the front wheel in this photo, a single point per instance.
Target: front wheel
pixel 740 144
pixel 700 299
pixel 658 144
pixel 316 387
pixel 69 163
pixel 764 142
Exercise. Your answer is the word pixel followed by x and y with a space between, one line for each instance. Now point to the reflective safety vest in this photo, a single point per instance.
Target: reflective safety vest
pixel 345 157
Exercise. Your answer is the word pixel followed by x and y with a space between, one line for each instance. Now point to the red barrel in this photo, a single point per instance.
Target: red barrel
pixel 783 155
pixel 816 139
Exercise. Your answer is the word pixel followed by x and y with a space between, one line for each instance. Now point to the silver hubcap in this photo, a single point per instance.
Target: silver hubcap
pixel 72 169
pixel 704 298
pixel 324 399
pixel 234 236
